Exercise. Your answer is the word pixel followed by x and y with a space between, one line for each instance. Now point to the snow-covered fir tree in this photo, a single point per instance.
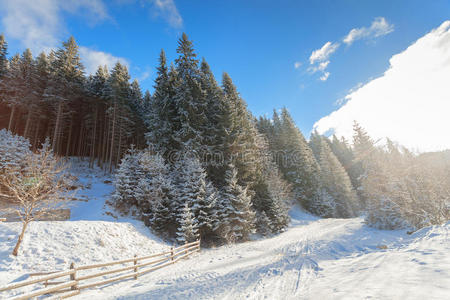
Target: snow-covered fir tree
pixel 193 187
pixel 189 98
pixel 127 181
pixel 188 228
pixel 334 180
pixel 154 183
pixel 294 157
pixel 13 151
pixel 238 215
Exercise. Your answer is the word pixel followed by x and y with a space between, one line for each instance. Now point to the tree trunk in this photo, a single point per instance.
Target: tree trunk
pixel 19 241
pixel 36 134
pixel 112 137
pixel 17 122
pixel 80 141
pixel 120 143
pixel 58 120
pixel 27 124
pixel 11 117
pixel 69 139
pixel 91 162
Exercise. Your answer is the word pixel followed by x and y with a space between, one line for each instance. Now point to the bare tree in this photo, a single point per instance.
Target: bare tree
pixel 39 189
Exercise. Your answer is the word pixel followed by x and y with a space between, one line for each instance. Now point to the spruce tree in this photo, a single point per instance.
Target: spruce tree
pixel 193 187
pixel 188 229
pixel 162 116
pixel 3 56
pixel 364 151
pixel 344 153
pixel 299 165
pixel 189 99
pixel 239 143
pixel 238 213
pixel 65 84
pixel 335 181
pixel 12 83
pixel 214 135
pixel 117 93
pixel 127 180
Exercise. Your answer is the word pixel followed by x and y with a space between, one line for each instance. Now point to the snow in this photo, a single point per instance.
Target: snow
pixel 91 235
pixel 96 188
pixel 313 259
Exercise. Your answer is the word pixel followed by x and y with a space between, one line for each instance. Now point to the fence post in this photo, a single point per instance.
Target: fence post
pixel 135 269
pixel 73 276
pixel 171 253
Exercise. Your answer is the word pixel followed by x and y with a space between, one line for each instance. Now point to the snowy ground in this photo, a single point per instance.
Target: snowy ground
pixel 313 259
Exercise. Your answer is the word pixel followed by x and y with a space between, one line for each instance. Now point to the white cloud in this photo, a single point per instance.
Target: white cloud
pixel 39 25
pixel 410 103
pixel 325 75
pixel 319 67
pixel 297 64
pixel 319 59
pixel 92 59
pixel 323 53
pixel 168 11
pixel 379 27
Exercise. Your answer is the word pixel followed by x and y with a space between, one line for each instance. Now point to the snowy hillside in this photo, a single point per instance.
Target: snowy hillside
pixel 91 236
pixel 314 259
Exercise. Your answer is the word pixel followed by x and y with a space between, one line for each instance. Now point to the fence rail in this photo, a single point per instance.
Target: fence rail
pixel 71 287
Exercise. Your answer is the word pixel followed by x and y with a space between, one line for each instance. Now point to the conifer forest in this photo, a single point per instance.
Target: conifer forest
pixel 191 160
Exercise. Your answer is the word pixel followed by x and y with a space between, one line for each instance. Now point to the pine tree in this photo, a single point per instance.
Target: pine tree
pixel 162 116
pixel 29 97
pixel 272 193
pixel 215 108
pixel 189 99
pixel 335 181
pixel 299 165
pixel 193 187
pixel 344 153
pixel 12 83
pixel 162 219
pixel 42 73
pixel 155 184
pixel 127 181
pixel 65 84
pixel 364 151
pixel 118 95
pixel 13 151
pixel 188 229
pixel 240 141
pixel 238 214
pixel 3 56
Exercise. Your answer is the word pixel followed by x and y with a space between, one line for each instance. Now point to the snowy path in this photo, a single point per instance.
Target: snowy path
pixel 314 259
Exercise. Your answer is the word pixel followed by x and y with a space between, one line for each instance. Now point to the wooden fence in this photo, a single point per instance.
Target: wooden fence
pixel 78 279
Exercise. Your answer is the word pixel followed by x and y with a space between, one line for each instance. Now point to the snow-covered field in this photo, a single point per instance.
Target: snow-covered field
pixel 314 259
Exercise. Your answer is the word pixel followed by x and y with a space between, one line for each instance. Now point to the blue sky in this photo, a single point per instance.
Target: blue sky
pixel 257 42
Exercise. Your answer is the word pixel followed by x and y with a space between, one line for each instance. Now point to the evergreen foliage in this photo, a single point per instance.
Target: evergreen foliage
pixel 210 169
pixel 295 158
pixel 187 231
pixel 334 180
